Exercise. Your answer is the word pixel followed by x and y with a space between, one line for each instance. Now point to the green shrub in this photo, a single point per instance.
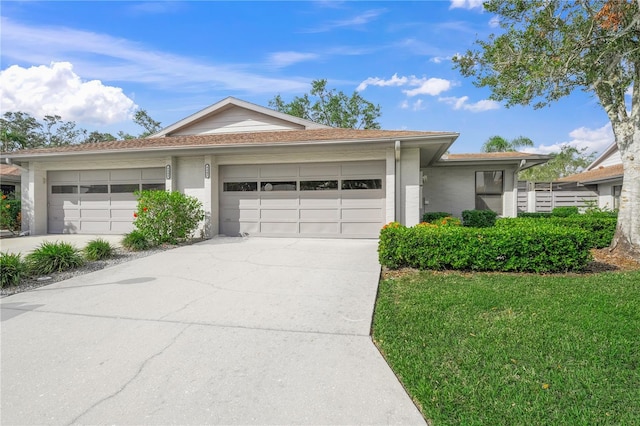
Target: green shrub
pixel 447 221
pixel 431 216
pixel 530 247
pixel 535 215
pixel 167 217
pixel 53 257
pixel 98 249
pixel 479 218
pixel 565 211
pixel 10 216
pixel 599 228
pixel 135 241
pixel 12 268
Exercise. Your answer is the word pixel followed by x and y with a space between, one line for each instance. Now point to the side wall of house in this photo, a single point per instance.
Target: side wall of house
pixel 452 189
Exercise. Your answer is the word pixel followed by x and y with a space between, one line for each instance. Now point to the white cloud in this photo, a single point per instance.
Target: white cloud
pixel 103 57
pixel 594 140
pixel 462 104
pixel 284 59
pixel 356 21
pixel 58 90
pixel 431 86
pixel 466 4
pixel 440 59
pixel 375 81
pixel 494 22
pixel 418 105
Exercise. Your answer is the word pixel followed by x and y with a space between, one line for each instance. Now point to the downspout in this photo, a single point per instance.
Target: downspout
pixel 523 162
pixel 398 190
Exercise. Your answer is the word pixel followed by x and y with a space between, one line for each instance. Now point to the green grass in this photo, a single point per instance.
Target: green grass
pixel 506 349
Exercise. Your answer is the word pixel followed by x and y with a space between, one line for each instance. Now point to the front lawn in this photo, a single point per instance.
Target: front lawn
pixel 507 349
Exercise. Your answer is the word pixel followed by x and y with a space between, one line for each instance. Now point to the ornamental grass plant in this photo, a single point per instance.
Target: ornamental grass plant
pixel 53 257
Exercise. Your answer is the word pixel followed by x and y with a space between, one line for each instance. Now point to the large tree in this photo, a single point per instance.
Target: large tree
pixel 568 161
pixel 331 108
pixel 500 144
pixel 546 49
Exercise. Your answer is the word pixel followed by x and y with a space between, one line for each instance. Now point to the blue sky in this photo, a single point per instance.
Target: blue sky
pixel 96 62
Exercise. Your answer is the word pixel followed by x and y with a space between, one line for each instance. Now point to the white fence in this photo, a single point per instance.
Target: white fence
pixel 545 196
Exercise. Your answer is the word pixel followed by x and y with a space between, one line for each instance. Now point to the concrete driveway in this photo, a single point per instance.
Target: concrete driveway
pixel 228 331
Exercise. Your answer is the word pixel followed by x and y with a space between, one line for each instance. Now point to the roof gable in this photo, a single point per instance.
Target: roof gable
pixel 232 115
pixel 610 157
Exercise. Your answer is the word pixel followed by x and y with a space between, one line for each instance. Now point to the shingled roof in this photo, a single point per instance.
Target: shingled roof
pixel 236 139
pixel 595 175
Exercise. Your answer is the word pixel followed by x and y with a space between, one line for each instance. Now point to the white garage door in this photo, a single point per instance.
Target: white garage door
pixel 305 200
pixel 97 201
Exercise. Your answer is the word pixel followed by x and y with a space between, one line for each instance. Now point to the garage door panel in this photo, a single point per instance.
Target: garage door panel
pixel 279 228
pixel 279 214
pixel 88 201
pixel 278 170
pixel 320 214
pixel 95 227
pixel 94 175
pixel 95 214
pixel 270 202
pixel 324 199
pixel 360 228
pixel 319 170
pixel 319 228
pixel 362 214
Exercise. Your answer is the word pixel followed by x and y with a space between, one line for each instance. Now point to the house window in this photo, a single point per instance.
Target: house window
pixel 489 190
pixel 278 186
pixel 94 189
pixel 240 186
pixel 124 188
pixel 153 186
pixel 361 184
pixel 318 185
pixel 617 190
pixel 64 189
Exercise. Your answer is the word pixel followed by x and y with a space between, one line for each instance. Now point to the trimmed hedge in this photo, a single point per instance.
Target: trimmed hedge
pixel 600 228
pixel 535 215
pixel 537 248
pixel 431 216
pixel 479 218
pixel 565 211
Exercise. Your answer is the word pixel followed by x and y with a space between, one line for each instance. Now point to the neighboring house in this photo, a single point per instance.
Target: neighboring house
pixel 606 173
pixel 10 179
pixel 262 172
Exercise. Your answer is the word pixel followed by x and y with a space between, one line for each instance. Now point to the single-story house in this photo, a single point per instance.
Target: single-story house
pixel 606 173
pixel 10 179
pixel 261 172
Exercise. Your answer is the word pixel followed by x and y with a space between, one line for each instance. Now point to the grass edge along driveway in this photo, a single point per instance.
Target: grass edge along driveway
pixel 507 349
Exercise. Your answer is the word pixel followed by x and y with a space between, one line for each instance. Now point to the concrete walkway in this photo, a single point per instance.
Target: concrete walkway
pixel 228 331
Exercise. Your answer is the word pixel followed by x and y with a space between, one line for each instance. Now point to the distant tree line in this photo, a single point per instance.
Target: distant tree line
pixel 20 130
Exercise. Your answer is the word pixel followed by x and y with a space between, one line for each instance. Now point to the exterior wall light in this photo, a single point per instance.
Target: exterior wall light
pixel 207 171
pixel 168 171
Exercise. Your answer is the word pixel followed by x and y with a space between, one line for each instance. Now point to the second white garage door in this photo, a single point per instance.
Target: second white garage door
pixel 305 200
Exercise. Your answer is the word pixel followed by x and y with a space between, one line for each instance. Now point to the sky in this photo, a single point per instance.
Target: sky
pixel 96 63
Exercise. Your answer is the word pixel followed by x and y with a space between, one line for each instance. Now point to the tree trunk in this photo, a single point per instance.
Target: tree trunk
pixel 627 236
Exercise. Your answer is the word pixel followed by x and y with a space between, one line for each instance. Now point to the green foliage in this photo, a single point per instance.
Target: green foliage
pixel 142 119
pixel 12 268
pixel 10 214
pixel 53 257
pixel 600 229
pixel 534 215
pixel 447 221
pixel 331 108
pixel 500 144
pixel 98 249
pixel 533 247
pixel 565 211
pixel 479 218
pixel 568 161
pixel 135 241
pixel 431 216
pixel 167 217
pixel 501 349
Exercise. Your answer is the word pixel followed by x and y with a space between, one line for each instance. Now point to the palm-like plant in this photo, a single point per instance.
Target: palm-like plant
pixel 500 144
